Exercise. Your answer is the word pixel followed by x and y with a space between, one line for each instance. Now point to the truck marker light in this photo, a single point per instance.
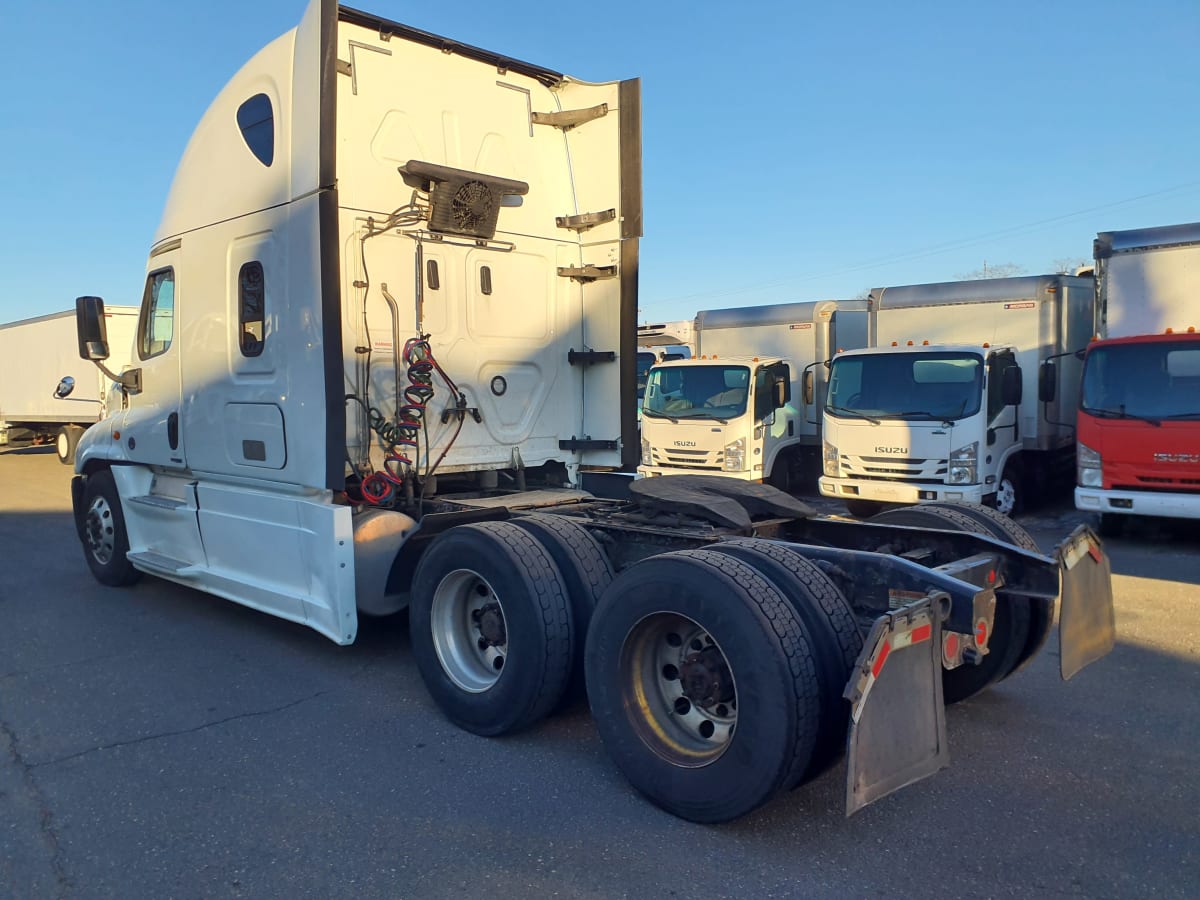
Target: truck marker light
pixel 116 435
pixel 1169 331
pixel 910 343
pixel 981 633
pixel 986 345
pixel 894 344
pixel 950 645
pixel 924 343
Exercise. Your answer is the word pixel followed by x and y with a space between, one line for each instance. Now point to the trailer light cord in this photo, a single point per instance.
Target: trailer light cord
pixel 402 437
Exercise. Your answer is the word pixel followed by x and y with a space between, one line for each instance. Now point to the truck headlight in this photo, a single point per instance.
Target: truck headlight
pixel 735 455
pixel 1089 469
pixel 646 452
pixel 829 456
pixel 964 464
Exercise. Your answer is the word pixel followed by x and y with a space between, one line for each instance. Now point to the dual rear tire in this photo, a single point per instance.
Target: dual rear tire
pixel 1021 624
pixel 714 676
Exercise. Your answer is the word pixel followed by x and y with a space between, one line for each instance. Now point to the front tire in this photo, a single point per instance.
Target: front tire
pixel 863 509
pixel 1009 498
pixel 703 685
pixel 66 442
pixel 1111 525
pixel 105 540
pixel 492 629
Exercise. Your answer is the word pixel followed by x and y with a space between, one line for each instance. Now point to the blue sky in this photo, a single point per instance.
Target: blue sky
pixel 792 150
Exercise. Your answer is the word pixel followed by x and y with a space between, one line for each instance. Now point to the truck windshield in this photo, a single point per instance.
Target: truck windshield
pixel 902 385
pixel 644 361
pixel 1159 380
pixel 697 392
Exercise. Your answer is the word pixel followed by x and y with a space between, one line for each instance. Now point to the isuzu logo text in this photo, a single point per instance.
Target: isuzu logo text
pixel 1177 457
pixel 685 443
pixel 894 450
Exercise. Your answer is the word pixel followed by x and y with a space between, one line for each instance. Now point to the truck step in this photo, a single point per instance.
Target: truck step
pixel 158 564
pixel 158 501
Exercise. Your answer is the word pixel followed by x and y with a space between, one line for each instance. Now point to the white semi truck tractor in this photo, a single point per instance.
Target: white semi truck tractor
pixel 381 367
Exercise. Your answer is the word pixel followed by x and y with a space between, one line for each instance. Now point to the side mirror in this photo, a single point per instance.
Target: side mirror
pixel 1047 382
pixel 807 388
pixel 781 391
pixel 1010 386
pixel 64 387
pixel 90 326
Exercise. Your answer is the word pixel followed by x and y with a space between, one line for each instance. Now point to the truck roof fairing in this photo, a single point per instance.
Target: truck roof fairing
pixel 1109 242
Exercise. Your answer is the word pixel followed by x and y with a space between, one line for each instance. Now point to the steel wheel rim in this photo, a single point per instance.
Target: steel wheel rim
pixel 101 531
pixel 470 633
pixel 679 689
pixel 1006 496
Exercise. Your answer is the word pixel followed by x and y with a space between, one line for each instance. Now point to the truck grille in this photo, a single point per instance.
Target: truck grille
pixel 687 459
pixel 894 468
pixel 1151 483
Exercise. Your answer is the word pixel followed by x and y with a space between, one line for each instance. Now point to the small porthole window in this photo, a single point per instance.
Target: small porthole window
pixel 256 119
pixel 252 297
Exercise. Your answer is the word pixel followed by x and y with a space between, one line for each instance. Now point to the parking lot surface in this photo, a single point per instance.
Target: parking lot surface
pixel 158 741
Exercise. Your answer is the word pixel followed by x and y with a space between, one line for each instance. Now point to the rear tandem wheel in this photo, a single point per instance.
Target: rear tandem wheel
pixel 479 592
pixel 702 682
pixel 830 621
pixel 1011 627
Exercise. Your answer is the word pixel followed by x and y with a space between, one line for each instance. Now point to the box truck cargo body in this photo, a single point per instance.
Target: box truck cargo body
pixel 750 403
pixel 1139 419
pixel 951 402
pixel 376 370
pixel 39 354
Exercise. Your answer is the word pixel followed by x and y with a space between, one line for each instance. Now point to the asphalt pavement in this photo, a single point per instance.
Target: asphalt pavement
pixel 156 741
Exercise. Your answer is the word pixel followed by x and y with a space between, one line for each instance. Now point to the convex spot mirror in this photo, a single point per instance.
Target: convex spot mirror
pixel 64 387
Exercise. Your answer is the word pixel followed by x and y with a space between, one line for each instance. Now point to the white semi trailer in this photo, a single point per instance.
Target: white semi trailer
pixel 950 402
pixel 47 393
pixel 749 405
pixel 375 371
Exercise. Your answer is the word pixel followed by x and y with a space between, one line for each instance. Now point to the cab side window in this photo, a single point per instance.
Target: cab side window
pixel 156 325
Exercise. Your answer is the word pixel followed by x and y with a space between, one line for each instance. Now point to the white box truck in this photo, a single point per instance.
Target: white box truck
pixel 376 369
pixel 950 402
pixel 47 393
pixel 1139 418
pixel 749 405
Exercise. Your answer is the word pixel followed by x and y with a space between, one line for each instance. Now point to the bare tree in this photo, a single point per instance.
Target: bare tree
pixel 1066 265
pixel 992 270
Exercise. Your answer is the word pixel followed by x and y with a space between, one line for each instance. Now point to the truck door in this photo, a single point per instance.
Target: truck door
pixel 150 427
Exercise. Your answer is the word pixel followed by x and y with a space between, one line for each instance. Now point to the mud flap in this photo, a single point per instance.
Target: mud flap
pixel 1086 622
pixel 897 717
